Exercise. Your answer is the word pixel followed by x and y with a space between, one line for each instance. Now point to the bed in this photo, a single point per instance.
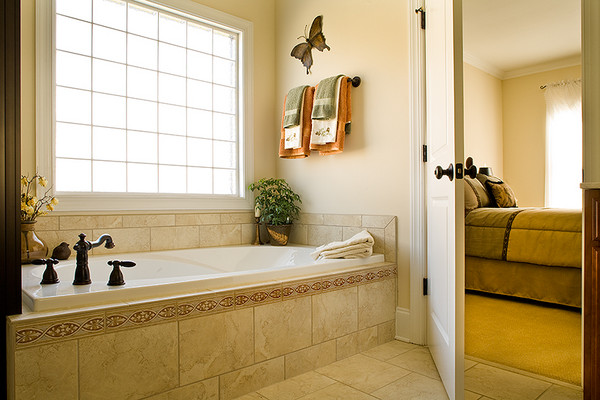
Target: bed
pixel 532 253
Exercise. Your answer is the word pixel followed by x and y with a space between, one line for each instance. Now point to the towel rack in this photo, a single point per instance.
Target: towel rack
pixel 355 81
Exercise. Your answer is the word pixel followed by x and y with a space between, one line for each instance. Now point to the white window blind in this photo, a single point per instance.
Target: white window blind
pixel 146 100
pixel 563 144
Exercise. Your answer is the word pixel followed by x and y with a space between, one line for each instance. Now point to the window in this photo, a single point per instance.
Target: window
pixel 563 144
pixel 148 103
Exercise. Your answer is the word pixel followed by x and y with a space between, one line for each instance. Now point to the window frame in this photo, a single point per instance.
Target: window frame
pixel 115 202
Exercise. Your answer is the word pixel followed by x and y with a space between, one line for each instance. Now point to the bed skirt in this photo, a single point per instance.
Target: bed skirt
pixel 558 285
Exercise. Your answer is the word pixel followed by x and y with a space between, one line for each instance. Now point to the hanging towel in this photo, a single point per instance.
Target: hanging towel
pixel 326 97
pixel 304 150
pixel 344 118
pixel 358 246
pixel 293 134
pixel 324 130
pixel 293 106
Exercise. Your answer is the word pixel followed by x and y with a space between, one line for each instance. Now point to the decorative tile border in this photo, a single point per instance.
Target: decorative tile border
pixel 40 331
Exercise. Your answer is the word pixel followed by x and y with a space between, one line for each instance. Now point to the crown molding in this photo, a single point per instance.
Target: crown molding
pixel 543 67
pixel 478 63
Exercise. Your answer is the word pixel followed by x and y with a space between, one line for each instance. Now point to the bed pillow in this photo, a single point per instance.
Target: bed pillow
pixel 503 194
pixel 481 194
pixel 483 179
pixel 471 201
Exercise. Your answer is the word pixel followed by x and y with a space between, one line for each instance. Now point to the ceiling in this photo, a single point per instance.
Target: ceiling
pixel 505 37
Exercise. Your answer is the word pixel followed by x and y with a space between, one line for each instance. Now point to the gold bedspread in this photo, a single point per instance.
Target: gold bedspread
pixel 544 236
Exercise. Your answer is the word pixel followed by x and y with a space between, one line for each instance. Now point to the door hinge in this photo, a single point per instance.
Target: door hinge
pixel 424 153
pixel 422 11
pixel 425 286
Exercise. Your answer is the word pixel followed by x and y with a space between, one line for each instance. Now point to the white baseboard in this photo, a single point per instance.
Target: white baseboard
pixel 403 324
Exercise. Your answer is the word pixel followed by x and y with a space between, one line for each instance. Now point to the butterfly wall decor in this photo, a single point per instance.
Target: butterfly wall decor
pixel 315 39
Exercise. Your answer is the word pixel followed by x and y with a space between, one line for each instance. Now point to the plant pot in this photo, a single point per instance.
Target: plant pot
pixel 32 247
pixel 280 234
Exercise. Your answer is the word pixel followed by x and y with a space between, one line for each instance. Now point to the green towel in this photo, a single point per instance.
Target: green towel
pixel 293 104
pixel 324 104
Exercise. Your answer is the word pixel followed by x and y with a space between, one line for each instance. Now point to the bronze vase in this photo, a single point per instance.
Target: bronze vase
pixel 280 234
pixel 32 246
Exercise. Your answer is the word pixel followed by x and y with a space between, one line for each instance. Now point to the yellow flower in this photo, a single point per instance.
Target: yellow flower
pixel 32 201
pixel 29 210
pixel 24 181
pixel 50 207
pixel 42 181
pixel 54 201
pixel 23 206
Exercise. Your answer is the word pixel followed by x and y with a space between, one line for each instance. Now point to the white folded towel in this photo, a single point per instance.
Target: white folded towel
pixel 324 130
pixel 293 134
pixel 358 246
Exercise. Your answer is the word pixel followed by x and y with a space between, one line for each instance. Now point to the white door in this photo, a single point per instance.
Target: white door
pixel 445 199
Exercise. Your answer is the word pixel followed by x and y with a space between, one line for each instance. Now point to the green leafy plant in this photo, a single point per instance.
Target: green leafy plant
pixel 276 201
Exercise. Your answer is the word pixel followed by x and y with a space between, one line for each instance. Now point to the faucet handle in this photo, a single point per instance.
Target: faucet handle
pixel 116 276
pixel 50 276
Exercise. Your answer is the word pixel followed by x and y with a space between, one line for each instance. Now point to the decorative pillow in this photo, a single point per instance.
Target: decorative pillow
pixel 503 194
pixel 483 179
pixel 483 198
pixel 471 201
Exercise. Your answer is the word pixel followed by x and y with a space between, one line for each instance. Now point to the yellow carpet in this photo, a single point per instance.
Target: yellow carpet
pixel 531 337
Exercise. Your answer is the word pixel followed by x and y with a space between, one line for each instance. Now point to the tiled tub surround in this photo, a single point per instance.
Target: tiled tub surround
pixel 217 345
pixel 149 232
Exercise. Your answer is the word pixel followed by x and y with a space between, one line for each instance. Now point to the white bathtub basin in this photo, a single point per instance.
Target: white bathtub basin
pixel 176 272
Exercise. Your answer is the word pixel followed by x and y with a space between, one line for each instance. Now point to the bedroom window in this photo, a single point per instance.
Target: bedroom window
pixel 147 100
pixel 563 144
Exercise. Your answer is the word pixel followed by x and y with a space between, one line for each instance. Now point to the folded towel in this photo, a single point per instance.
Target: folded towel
pixel 325 130
pixel 304 150
pixel 359 245
pixel 324 106
pixel 344 117
pixel 293 134
pixel 293 106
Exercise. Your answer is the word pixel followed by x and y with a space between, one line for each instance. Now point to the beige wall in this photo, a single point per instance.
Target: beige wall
pixel 524 120
pixel 260 12
pixel 483 118
pixel 372 175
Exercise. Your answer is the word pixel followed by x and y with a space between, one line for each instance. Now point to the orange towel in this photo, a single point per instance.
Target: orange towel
pixel 344 116
pixel 303 151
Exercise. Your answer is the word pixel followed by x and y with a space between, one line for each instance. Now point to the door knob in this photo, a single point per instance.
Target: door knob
pixel 440 172
pixel 470 168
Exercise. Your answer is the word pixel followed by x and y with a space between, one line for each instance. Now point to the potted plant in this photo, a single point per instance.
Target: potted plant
pixel 277 206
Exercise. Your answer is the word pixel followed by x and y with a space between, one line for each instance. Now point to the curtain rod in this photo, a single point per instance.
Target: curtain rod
pixel 558 83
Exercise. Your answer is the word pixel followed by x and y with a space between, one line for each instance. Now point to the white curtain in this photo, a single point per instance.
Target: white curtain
pixel 563 144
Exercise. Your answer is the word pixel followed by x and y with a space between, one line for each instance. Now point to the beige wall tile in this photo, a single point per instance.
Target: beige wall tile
pixel 376 303
pixel 142 221
pixel 282 328
pixel 197 219
pixel 231 234
pixel 258 295
pixel 248 233
pixel 367 338
pixel 249 379
pixel 47 372
pixel 386 331
pixel 376 221
pixel 356 342
pixel 175 237
pixel 137 315
pixel 204 390
pixel 309 359
pixel 390 241
pixel 125 239
pixel 90 221
pixel 54 238
pixel 205 304
pixel 298 235
pixel 209 235
pixel 47 223
pixel 311 219
pixel 237 218
pixel 341 219
pixel 129 364
pixel 334 314
pixel 379 237
pixel 349 231
pixel 320 234
pixel 215 344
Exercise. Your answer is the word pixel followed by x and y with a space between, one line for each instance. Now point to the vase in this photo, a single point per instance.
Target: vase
pixel 280 234
pixel 32 247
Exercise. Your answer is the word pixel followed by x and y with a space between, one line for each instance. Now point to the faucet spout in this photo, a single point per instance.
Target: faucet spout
pixel 82 247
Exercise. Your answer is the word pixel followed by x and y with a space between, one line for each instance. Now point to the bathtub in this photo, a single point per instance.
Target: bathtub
pixel 177 273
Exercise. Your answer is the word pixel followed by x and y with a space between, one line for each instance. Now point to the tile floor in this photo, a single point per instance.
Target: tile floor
pixel 398 370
